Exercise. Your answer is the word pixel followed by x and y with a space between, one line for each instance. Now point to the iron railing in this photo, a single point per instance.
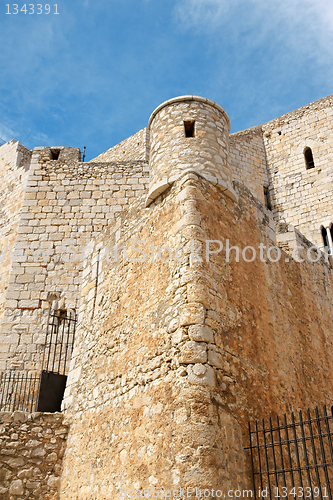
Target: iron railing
pixel 19 391
pixel 293 457
pixel 43 391
pixel 59 341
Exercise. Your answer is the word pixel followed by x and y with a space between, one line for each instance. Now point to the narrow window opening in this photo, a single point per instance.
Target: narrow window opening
pixel 55 154
pixel 267 198
pixel 326 240
pixel 189 128
pixel 308 158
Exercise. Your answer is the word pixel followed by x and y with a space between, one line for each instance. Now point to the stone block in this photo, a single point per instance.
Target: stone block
pixel 201 374
pixel 38 452
pixel 29 304
pixel 201 333
pixel 11 304
pixel 16 487
pixel 11 339
pixel 196 292
pixel 214 358
pixel 191 314
pixel 193 352
pixel 178 336
pixel 53 482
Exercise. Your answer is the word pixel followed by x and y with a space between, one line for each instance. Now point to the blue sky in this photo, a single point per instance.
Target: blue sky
pixel 91 75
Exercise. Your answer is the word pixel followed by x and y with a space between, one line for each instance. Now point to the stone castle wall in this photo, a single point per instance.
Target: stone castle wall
pixel 65 205
pixel 141 393
pixel 14 165
pixel 204 149
pixel 248 161
pixel 173 358
pixel 302 197
pixel 31 451
pixel 174 355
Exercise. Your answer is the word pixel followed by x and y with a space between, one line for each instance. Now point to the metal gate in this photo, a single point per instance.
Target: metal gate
pixel 59 341
pixel 293 457
pixel 43 390
pixel 57 354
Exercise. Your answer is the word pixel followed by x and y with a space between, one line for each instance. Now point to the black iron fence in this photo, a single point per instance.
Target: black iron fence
pixel 19 391
pixel 293 457
pixel 59 341
pixel 43 391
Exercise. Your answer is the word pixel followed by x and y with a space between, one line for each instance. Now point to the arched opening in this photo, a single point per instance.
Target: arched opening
pixel 326 240
pixel 308 158
pixel 267 198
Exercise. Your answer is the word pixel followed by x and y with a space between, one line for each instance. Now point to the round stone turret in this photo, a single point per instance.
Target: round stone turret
pixel 189 134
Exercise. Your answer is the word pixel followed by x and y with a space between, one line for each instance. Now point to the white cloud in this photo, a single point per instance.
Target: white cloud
pixel 6 133
pixel 41 139
pixel 270 56
pixel 206 14
pixel 305 24
pixel 211 14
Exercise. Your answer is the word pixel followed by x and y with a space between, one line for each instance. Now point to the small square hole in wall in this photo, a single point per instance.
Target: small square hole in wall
pixel 55 154
pixel 189 128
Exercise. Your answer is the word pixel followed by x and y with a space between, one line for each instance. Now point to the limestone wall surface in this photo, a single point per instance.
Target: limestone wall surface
pixel 142 390
pixel 134 148
pixel 31 451
pixel 175 351
pixel 302 197
pixel 173 358
pixel 248 160
pixel 65 205
pixel 273 326
pixel 14 166
pixel 189 134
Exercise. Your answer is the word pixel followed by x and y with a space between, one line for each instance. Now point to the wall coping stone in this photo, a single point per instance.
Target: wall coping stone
pixel 184 98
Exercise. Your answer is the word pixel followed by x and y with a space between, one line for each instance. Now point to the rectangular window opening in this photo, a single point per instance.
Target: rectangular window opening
pixel 189 128
pixel 55 154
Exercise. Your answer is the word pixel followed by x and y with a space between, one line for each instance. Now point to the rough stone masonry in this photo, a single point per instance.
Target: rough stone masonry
pixel 32 448
pixel 173 354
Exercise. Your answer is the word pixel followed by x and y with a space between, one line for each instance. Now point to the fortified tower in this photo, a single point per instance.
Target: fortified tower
pixel 174 250
pixel 181 341
pixel 142 390
pixel 189 134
